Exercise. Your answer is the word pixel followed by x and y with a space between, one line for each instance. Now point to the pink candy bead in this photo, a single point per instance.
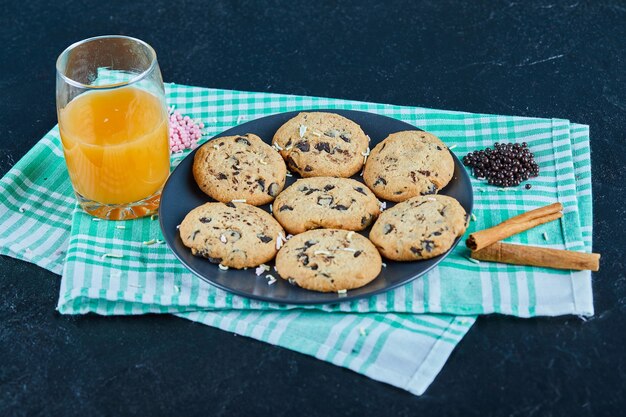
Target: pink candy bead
pixel 184 132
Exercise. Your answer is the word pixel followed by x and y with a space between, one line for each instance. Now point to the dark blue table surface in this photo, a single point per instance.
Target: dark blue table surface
pixel 546 59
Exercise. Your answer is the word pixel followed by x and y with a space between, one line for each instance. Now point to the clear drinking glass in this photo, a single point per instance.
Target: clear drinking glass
pixel 113 122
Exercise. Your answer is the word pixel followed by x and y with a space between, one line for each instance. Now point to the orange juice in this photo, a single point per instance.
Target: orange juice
pixel 116 144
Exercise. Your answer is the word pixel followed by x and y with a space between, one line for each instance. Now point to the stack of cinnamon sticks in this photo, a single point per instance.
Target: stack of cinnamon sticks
pixel 486 245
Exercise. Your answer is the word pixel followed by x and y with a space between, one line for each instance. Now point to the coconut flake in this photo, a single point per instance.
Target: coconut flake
pixel 259 271
pixel 349 236
pixel 302 130
pixel 238 200
pixel 111 255
pixel 223 239
pixel 383 205
pixel 222 267
pixel 279 241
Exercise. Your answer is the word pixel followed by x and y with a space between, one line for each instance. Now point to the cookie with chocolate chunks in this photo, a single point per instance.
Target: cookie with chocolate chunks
pixel 407 164
pixel 236 235
pixel 328 260
pixel 326 202
pixel 239 168
pixel 419 228
pixel 319 144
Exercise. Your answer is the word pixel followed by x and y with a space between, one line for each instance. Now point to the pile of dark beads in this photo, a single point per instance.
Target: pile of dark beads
pixel 507 165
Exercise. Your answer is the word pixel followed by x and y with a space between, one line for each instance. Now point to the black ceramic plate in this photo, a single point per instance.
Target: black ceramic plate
pixel 181 195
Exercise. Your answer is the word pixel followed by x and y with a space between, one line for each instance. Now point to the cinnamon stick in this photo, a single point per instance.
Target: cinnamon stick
pixel 514 225
pixel 536 256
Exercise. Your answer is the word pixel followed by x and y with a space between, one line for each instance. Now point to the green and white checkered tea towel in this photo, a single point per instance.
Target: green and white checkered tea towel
pixel 395 341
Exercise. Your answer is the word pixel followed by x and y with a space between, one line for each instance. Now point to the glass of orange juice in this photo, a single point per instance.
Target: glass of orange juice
pixel 113 121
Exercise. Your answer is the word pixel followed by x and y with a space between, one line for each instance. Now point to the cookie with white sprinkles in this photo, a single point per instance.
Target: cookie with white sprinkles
pixel 335 203
pixel 419 228
pixel 328 260
pixel 232 235
pixel 239 168
pixel 319 144
pixel 407 164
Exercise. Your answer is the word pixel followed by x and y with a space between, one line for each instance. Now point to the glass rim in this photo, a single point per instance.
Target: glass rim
pixel 140 76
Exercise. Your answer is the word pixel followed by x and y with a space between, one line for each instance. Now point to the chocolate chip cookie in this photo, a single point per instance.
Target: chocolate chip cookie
pixel 239 168
pixel 318 144
pixel 234 235
pixel 407 164
pixel 326 202
pixel 328 260
pixel 419 228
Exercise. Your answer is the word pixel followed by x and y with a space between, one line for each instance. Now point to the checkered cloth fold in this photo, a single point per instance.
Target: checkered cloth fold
pixel 402 337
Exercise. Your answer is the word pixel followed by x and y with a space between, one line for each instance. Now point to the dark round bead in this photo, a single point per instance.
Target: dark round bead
pixel 528 186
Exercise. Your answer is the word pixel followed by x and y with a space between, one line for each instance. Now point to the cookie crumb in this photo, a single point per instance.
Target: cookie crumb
pixel 154 217
pixel 149 242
